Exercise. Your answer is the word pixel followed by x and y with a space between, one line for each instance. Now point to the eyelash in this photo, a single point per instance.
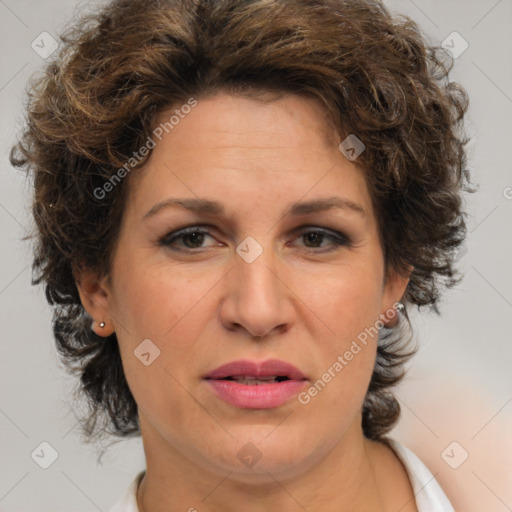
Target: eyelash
pixel 338 239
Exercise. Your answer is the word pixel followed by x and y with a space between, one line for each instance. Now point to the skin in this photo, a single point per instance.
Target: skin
pixel 206 306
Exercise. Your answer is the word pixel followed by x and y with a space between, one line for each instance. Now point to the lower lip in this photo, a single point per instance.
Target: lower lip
pixel 259 396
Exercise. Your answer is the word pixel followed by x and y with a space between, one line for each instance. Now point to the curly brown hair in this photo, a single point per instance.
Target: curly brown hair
pixel 118 69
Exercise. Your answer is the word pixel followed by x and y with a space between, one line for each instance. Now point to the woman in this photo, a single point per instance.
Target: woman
pixel 236 203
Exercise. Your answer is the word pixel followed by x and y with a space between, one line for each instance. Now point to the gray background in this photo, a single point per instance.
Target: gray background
pixel 458 388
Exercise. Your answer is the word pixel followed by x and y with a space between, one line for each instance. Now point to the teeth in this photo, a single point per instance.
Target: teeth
pixel 255 381
pixel 250 377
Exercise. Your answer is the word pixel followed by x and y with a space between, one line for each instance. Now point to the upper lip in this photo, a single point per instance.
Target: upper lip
pixel 247 368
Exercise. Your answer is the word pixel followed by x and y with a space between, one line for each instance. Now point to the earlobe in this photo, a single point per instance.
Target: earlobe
pixel 102 328
pixel 95 298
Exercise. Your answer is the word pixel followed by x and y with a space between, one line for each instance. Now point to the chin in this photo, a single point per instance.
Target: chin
pixel 268 470
pixel 257 455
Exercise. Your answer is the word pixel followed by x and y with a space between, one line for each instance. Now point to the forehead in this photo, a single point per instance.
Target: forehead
pixel 286 147
pixel 257 122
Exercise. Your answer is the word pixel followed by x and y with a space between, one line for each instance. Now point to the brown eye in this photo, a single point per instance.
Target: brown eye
pixel 314 238
pixel 192 238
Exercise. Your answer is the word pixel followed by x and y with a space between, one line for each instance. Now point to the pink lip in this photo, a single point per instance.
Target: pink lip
pixel 260 396
pixel 255 369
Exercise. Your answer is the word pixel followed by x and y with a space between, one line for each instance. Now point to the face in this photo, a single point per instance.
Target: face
pixel 256 278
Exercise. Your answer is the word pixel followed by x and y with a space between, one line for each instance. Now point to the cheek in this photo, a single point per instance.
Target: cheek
pixel 163 305
pixel 153 300
pixel 347 299
pixel 168 305
pixel 348 303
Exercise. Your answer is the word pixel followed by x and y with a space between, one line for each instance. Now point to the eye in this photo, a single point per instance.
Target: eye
pixel 193 237
pixel 315 236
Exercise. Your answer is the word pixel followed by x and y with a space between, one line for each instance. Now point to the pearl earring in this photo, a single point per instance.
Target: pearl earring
pixel 102 324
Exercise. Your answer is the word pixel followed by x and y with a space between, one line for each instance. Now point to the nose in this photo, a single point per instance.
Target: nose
pixel 257 300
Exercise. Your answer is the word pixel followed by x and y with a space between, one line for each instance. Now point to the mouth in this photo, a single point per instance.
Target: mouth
pixel 264 371
pixel 251 380
pixel 253 385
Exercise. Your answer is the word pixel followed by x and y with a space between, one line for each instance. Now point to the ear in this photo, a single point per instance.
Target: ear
pixel 395 285
pixel 94 294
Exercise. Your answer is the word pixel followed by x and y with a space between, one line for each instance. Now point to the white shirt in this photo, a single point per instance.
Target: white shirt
pixel 429 495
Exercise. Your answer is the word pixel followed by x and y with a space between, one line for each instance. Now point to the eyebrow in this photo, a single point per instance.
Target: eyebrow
pixel 208 207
